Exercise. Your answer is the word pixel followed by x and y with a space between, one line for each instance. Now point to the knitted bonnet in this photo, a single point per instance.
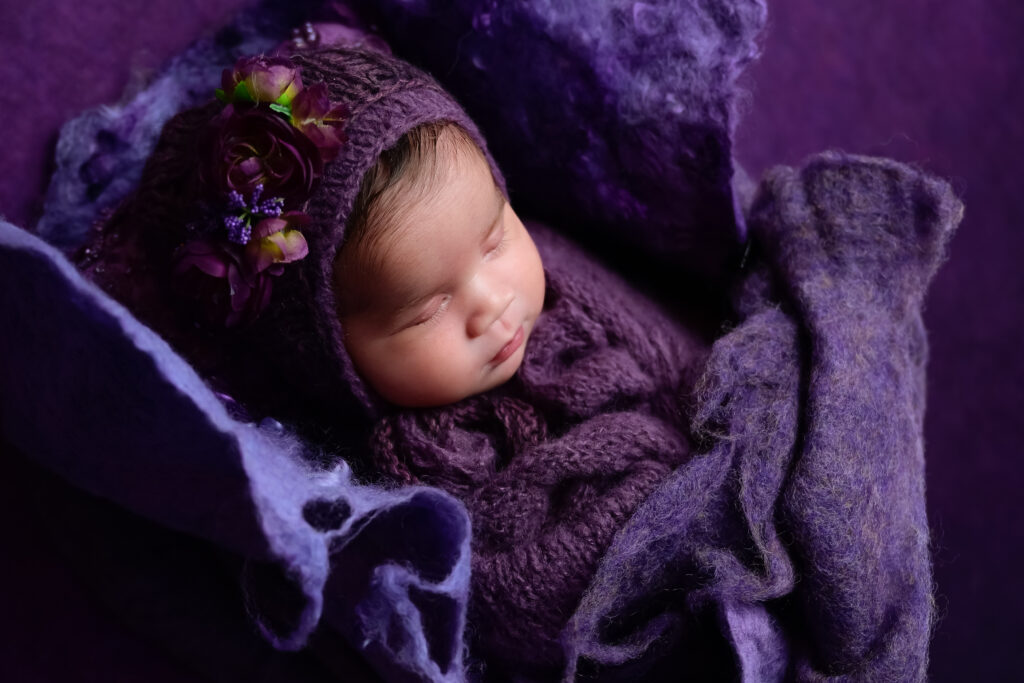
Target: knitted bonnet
pixel 549 465
pixel 289 363
pixel 386 98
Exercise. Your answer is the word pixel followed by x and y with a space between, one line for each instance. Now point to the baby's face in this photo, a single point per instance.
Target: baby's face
pixel 459 290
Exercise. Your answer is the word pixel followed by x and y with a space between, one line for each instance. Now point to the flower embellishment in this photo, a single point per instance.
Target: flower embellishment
pixel 266 151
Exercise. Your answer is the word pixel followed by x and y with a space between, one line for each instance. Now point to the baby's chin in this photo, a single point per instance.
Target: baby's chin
pixel 505 371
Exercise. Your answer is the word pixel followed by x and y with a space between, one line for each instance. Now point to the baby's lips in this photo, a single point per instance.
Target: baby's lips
pixel 511 346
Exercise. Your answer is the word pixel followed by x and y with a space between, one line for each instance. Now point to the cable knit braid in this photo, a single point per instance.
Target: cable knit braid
pixel 553 463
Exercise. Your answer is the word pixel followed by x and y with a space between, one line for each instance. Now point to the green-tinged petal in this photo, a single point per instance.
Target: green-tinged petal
pixel 290 94
pixel 261 254
pixel 292 245
pixel 284 246
pixel 273 81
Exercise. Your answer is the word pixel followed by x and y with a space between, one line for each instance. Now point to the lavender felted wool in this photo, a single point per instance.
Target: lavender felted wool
pixel 801 529
pixel 388 570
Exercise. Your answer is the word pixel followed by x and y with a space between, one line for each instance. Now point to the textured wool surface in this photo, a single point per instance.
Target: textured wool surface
pixel 802 524
pixel 389 570
pixel 554 462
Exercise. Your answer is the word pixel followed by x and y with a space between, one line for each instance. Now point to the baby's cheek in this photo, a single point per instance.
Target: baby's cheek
pixel 433 371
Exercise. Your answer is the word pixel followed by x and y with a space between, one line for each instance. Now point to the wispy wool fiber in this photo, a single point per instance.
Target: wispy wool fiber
pixel 802 524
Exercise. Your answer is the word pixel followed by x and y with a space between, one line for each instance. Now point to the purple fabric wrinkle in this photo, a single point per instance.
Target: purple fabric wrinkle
pixel 141 429
pixel 760 645
pixel 803 518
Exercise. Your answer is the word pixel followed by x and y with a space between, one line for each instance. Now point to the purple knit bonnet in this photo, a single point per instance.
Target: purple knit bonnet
pixel 386 98
pixel 289 363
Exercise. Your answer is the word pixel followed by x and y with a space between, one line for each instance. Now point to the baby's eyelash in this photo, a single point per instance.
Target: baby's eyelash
pixel 435 315
pixel 498 248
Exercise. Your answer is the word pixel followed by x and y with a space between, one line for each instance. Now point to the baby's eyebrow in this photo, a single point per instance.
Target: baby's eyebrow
pixel 411 303
pixel 497 215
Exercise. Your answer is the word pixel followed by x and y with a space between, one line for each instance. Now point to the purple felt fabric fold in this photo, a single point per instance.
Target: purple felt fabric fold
pixel 95 396
pixel 802 525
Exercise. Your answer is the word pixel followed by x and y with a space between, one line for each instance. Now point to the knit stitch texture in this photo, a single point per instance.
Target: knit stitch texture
pixel 553 463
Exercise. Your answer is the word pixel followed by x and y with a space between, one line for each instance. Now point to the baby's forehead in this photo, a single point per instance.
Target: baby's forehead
pixel 425 227
pixel 434 236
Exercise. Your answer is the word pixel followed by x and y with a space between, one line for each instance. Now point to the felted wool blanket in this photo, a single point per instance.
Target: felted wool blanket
pixel 800 533
pixel 793 543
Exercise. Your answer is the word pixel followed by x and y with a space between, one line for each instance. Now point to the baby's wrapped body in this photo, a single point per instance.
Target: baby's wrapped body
pixel 552 463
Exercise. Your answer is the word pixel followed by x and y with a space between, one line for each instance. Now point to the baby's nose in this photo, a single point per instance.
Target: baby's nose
pixel 490 303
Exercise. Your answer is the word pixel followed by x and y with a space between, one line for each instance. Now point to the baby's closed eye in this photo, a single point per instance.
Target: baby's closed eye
pixel 432 311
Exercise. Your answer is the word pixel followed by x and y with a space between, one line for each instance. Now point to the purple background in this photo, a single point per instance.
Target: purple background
pixel 933 82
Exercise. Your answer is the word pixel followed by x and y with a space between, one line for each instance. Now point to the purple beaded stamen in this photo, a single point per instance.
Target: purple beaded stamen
pixel 239 226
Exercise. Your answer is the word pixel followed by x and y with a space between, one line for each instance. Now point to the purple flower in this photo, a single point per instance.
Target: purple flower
pixel 277 241
pixel 214 281
pixel 313 115
pixel 254 147
pixel 261 79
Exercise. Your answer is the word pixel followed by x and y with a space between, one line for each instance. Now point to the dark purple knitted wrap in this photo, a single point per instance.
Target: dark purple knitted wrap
pixel 553 463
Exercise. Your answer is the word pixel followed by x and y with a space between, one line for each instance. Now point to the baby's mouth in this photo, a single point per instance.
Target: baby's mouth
pixel 510 347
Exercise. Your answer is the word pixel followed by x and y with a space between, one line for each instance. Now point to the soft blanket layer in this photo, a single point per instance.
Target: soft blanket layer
pixel 91 393
pixel 801 532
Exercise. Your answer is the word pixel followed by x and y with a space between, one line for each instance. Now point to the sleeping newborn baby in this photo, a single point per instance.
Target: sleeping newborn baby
pixel 347 261
pixel 439 285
